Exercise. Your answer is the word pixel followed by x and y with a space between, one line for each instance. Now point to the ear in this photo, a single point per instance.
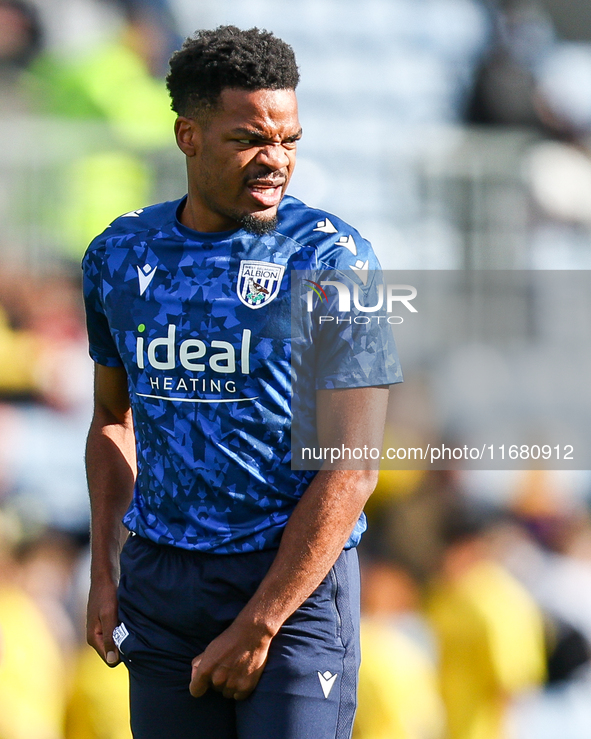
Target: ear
pixel 188 135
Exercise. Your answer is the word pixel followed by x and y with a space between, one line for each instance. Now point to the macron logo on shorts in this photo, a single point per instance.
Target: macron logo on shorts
pixel 326 682
pixel 120 633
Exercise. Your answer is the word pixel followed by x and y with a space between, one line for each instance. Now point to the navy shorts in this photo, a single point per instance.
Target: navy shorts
pixel 173 602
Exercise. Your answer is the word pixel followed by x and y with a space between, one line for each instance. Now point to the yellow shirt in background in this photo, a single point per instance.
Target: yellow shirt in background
pixel 99 702
pixel 32 671
pixel 397 696
pixel 491 643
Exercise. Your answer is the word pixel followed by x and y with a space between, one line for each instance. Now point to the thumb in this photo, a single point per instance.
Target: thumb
pixel 111 651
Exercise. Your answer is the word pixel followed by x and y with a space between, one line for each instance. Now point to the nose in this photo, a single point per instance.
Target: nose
pixel 274 156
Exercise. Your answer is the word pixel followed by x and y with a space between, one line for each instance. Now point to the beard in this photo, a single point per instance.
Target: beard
pixel 258 226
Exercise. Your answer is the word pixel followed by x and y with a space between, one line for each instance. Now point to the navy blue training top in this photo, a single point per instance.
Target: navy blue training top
pixel 202 324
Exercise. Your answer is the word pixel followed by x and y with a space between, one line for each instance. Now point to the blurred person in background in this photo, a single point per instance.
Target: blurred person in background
pixel 41 331
pixel 489 630
pixel 21 39
pixel 98 699
pixel 398 688
pixel 119 81
pixel 153 32
pixel 45 396
pixel 114 83
pixel 46 560
pixel 533 79
pixel 20 356
pixel 95 698
pixel 33 682
pixel 547 546
pixel 504 91
pixel 399 696
pixel 559 168
pixel 52 685
pixel 477 626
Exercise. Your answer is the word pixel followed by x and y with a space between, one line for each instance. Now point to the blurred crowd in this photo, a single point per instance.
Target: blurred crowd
pixel 476 605
pixel 476 620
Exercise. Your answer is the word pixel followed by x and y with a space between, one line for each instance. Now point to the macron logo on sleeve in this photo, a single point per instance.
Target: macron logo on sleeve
pixel 349 243
pixel 326 227
pixel 145 275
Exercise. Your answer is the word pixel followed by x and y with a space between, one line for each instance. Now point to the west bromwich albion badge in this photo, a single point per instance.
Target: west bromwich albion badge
pixel 258 282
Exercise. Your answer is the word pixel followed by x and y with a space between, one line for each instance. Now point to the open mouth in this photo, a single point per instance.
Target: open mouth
pixel 266 192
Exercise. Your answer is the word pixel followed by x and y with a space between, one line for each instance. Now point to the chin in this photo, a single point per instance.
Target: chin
pixel 258 224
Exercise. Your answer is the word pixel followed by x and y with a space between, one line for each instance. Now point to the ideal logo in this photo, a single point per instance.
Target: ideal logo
pixel 161 353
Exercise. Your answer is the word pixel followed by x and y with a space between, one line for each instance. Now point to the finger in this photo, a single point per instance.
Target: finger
pixel 110 651
pixel 100 636
pixel 243 688
pixel 112 657
pixel 220 679
pixel 94 637
pixel 199 679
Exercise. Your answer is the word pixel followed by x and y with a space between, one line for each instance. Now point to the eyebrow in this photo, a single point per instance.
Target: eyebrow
pixel 253 133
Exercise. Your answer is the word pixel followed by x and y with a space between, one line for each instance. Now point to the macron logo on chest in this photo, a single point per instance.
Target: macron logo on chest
pixel 145 276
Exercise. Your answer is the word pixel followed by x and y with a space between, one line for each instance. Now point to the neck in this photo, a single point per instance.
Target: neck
pixel 197 216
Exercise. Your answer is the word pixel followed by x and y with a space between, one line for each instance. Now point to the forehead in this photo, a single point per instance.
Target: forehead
pixel 270 111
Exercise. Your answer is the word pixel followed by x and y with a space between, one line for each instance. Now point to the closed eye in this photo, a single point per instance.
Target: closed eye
pixel 258 139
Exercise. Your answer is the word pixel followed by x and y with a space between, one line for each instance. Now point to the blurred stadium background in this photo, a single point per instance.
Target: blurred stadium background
pixel 454 134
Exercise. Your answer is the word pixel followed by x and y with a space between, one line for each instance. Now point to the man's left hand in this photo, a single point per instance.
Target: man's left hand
pixel 232 663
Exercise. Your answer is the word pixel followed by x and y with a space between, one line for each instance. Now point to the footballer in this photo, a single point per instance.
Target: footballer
pixel 224 577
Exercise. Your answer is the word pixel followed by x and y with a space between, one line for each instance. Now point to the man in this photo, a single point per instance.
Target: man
pixel 240 574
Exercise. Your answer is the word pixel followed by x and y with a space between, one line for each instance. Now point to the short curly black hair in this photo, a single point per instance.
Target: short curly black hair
pixel 211 61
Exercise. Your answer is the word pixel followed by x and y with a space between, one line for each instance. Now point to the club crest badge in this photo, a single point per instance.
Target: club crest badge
pixel 258 282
